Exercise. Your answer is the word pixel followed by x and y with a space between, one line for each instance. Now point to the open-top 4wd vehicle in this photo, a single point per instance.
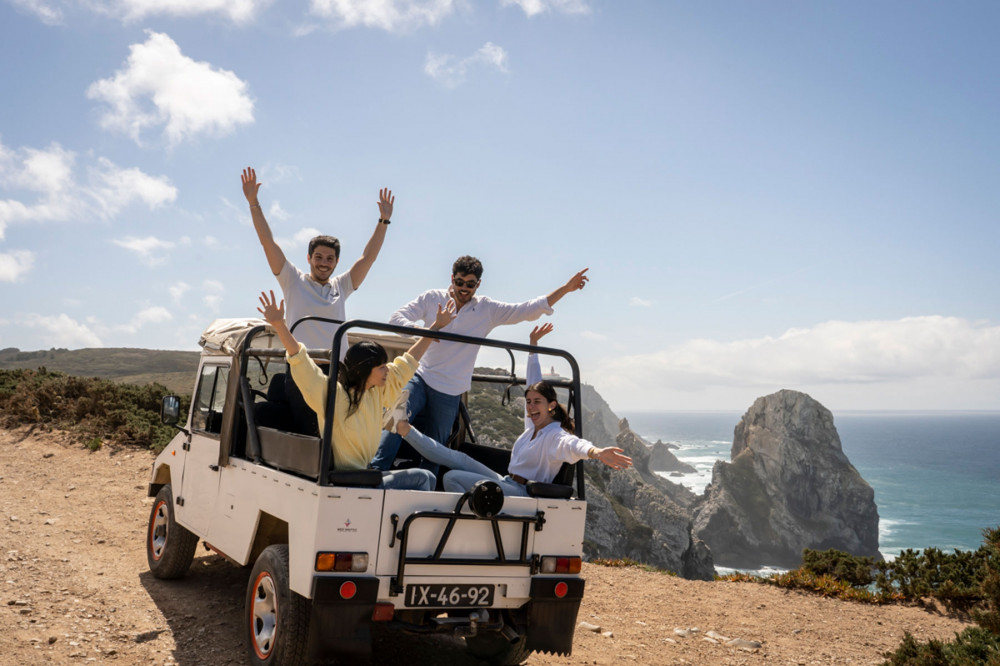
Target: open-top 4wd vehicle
pixel 331 552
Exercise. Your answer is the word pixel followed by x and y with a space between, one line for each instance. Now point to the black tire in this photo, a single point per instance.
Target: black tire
pixel 169 546
pixel 497 650
pixel 275 619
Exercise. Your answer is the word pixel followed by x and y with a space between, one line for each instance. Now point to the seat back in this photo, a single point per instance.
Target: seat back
pixel 274 411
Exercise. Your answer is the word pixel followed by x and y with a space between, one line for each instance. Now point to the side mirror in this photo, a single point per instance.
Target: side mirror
pixel 170 410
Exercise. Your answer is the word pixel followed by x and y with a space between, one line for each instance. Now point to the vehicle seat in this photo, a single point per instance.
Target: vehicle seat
pixel 274 412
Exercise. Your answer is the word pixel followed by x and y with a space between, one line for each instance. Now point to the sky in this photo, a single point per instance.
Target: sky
pixel 768 195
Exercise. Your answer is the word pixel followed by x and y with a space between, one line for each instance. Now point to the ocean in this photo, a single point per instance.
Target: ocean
pixel 936 475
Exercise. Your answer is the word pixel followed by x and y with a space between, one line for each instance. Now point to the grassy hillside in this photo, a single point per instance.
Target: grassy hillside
pixel 98 411
pixel 173 369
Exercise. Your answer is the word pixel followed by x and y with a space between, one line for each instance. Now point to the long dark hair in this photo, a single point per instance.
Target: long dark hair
pixel 359 361
pixel 558 412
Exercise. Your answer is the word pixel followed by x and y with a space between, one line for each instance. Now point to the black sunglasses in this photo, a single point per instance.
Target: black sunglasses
pixel 458 282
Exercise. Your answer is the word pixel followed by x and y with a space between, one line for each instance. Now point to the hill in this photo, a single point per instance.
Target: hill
pixel 173 369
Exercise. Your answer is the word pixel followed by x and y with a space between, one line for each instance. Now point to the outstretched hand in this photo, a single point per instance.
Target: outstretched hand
pixel 445 315
pixel 273 312
pixel 614 458
pixel 578 281
pixel 539 332
pixel 385 202
pixel 250 185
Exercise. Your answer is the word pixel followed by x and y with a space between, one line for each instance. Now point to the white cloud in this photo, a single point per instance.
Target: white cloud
pixel 591 335
pixel 13 265
pixel 535 7
pixel 160 86
pixel 450 71
pixel 298 242
pixel 637 302
pixel 178 290
pixel 834 353
pixel 61 331
pixel 47 176
pixel 115 188
pixel 212 291
pixel 152 315
pixel 237 11
pixel 44 10
pixel 390 15
pixel 150 249
pixel 277 212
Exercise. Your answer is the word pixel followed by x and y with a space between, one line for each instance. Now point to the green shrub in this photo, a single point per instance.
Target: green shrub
pixel 98 410
pixel 853 570
pixel 952 577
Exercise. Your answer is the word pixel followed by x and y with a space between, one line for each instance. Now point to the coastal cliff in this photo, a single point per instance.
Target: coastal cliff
pixel 788 486
pixel 639 515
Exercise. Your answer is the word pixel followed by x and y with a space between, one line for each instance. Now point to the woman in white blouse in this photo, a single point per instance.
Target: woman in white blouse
pixel 538 453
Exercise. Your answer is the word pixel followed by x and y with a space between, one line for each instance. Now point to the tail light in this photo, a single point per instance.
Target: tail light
pixel 353 562
pixel 561 565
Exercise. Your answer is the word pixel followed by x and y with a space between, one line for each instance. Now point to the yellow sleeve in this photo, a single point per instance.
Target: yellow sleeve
pixel 400 371
pixel 309 378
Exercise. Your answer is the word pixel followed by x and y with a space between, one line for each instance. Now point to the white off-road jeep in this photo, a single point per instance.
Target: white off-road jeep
pixel 331 552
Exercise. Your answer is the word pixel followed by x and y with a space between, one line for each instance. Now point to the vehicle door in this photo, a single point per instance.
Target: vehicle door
pixel 200 480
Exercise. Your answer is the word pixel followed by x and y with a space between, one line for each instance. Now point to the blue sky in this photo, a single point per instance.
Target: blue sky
pixel 768 194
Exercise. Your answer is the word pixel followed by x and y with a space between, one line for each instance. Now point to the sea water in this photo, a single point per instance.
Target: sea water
pixel 936 475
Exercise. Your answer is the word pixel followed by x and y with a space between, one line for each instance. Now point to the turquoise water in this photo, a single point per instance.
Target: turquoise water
pixel 936 475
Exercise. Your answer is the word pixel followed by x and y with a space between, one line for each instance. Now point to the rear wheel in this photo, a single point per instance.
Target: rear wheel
pixel 169 546
pixel 276 619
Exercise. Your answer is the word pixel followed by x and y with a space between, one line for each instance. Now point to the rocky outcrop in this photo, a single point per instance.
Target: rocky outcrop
pixel 661 459
pixel 788 486
pixel 639 515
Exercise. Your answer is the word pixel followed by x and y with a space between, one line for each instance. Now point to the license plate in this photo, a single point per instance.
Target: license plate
pixel 449 596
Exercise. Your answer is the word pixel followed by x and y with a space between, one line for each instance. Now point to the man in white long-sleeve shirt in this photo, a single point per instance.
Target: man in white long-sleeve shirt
pixel 445 371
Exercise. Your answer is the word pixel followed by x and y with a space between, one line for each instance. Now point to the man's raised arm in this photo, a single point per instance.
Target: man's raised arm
pixel 364 263
pixel 576 282
pixel 275 257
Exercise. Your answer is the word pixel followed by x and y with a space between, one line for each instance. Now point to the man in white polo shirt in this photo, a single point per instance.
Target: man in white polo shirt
pixel 445 371
pixel 317 293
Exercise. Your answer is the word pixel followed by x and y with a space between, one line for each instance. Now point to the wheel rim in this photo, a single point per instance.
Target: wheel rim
pixel 158 530
pixel 264 615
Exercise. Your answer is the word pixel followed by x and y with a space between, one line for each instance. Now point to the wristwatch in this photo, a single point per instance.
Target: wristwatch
pixel 383 221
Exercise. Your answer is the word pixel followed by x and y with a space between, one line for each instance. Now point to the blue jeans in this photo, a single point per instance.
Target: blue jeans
pixel 465 470
pixel 408 479
pixel 430 410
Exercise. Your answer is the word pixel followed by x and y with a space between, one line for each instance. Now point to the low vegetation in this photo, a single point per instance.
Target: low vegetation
pixel 963 581
pixel 98 411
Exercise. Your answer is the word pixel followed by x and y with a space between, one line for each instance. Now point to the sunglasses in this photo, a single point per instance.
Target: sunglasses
pixel 470 284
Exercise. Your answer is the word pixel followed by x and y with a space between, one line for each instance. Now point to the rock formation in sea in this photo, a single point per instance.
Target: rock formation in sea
pixel 788 486
pixel 662 459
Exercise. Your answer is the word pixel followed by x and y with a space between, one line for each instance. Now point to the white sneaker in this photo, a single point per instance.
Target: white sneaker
pixel 397 413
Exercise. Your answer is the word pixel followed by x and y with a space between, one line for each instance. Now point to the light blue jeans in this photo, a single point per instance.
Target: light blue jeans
pixel 408 479
pixel 427 408
pixel 465 470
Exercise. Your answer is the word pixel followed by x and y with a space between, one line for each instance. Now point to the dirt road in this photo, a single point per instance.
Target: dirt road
pixel 76 590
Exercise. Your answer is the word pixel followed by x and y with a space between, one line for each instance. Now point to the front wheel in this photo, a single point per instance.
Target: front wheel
pixel 275 619
pixel 169 546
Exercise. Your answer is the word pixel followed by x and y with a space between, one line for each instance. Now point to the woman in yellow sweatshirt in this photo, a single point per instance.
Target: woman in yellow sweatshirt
pixel 366 386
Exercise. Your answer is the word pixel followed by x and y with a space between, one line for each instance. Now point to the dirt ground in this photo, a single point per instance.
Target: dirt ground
pixel 76 589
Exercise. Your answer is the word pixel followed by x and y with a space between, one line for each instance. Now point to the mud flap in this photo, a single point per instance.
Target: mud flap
pixel 339 627
pixel 552 620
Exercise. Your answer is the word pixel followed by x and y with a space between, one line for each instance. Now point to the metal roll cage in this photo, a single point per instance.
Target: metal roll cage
pixel 326 461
